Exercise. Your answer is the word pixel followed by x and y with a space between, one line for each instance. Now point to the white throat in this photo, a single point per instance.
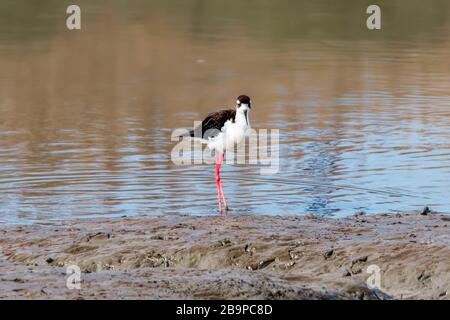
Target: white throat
pixel 243 118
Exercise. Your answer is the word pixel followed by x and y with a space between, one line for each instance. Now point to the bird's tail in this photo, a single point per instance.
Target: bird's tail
pixel 190 133
pixel 195 136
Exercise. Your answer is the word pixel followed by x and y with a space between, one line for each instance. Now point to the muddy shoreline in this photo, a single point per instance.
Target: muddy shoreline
pixel 234 257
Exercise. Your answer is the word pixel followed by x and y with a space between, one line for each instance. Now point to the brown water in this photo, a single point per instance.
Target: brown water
pixel 86 116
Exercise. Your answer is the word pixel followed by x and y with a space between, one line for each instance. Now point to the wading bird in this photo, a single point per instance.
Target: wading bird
pixel 221 131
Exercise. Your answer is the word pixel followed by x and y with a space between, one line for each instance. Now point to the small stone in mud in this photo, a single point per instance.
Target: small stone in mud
pixel 355 267
pixel 346 273
pixel 356 270
pixel 425 211
pixel 250 249
pixel 292 255
pixel 225 242
pixel 360 259
pixel 161 237
pixel 423 276
pixel 49 260
pixel 263 264
pixel 311 216
pixel 328 254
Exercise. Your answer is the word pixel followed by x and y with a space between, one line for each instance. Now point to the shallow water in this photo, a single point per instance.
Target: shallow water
pixel 86 116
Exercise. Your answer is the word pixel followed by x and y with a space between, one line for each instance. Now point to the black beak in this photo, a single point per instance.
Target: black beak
pixel 246 118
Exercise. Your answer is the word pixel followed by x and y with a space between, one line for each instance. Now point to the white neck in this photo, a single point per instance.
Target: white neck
pixel 241 121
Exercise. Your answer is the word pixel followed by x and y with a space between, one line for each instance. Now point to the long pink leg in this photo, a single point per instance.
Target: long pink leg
pixel 217 174
pixel 220 184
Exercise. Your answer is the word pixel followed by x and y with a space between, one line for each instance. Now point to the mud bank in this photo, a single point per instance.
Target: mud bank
pixel 248 257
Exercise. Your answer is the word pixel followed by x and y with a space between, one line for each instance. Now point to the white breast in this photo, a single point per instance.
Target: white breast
pixel 232 134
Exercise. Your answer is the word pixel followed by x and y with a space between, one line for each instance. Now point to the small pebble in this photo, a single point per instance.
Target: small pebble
pixel 328 254
pixel 425 211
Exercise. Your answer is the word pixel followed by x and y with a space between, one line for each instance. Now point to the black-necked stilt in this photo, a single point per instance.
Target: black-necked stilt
pixel 221 131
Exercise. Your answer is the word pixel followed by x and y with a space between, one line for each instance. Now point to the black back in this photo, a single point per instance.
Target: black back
pixel 213 123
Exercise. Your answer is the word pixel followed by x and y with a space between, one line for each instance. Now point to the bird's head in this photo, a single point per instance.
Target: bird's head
pixel 243 105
